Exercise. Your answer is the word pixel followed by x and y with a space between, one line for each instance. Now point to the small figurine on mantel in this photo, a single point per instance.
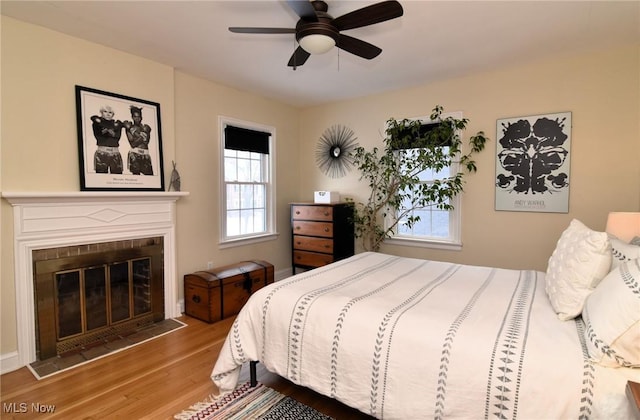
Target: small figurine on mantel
pixel 174 184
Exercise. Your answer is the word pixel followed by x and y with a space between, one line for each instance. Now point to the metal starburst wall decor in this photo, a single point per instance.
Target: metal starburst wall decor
pixel 333 152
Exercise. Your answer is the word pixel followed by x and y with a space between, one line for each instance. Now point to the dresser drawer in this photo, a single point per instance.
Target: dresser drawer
pixel 308 243
pixel 313 228
pixel 312 212
pixel 311 259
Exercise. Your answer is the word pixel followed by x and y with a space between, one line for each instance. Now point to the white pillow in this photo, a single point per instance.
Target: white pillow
pixel 622 251
pixel 612 317
pixel 581 259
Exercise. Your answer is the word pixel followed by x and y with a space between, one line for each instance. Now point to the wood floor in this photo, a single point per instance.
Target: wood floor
pixel 153 380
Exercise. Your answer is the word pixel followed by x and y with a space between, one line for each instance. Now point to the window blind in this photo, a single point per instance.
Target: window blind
pixel 246 140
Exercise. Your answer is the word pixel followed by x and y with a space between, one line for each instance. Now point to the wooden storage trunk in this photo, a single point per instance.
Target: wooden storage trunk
pixel 221 292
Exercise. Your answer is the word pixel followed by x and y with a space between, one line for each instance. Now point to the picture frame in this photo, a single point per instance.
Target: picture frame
pixel 533 163
pixel 119 142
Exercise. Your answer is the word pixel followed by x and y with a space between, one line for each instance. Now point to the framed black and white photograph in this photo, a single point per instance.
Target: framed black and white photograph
pixel 119 142
pixel 533 163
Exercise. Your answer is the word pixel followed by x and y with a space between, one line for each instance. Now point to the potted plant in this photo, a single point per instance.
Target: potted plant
pixel 393 176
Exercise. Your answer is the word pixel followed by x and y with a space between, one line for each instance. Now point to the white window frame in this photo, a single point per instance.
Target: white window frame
pixel 270 233
pixel 453 241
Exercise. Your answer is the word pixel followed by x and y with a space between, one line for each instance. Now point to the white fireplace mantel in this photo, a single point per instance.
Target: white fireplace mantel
pixel 58 219
pixel 25 198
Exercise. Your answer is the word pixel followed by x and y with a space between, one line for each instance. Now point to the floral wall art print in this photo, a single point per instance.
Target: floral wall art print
pixel 533 163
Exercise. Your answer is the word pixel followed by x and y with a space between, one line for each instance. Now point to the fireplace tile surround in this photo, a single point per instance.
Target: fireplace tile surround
pixel 53 365
pixel 47 220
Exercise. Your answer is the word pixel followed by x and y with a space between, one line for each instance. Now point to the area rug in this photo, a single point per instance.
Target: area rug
pixel 246 402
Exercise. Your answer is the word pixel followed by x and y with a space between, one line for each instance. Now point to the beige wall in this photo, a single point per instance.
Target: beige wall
pixel 198 105
pixel 601 91
pixel 39 144
pixel 40 69
pixel 39 141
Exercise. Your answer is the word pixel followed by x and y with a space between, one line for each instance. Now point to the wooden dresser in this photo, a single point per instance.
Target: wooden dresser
pixel 321 233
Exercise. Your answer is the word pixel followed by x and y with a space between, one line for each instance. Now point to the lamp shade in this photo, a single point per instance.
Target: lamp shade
pixel 624 225
pixel 317 43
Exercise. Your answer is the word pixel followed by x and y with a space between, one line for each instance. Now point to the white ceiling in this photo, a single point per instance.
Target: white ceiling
pixel 433 40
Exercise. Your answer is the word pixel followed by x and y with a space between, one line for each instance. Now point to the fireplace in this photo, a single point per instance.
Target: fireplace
pixel 89 294
pixel 46 223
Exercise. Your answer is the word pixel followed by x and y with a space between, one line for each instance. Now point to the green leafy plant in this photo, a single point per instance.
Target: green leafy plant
pixel 393 176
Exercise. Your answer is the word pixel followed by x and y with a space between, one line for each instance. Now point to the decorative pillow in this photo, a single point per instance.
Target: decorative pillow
pixel 581 259
pixel 622 251
pixel 612 317
pixel 635 240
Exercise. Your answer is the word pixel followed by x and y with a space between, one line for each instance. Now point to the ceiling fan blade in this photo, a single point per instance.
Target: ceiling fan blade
pixel 241 30
pixel 304 9
pixel 358 47
pixel 369 15
pixel 298 58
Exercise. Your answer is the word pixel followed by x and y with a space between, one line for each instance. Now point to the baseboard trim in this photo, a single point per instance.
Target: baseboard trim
pixel 9 362
pixel 282 274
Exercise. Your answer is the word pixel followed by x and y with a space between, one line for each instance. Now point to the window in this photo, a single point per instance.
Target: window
pixel 436 228
pixel 247 182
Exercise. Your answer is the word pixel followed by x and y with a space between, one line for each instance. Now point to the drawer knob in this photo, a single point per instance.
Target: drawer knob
pixel 326 229
pixel 326 213
pixel 297 227
pixel 297 211
pixel 195 298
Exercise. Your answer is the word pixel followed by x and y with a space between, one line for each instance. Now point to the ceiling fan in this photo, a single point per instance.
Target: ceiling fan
pixel 318 32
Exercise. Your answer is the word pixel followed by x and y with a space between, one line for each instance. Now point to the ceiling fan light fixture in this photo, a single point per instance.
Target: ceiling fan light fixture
pixel 317 43
pixel 317 32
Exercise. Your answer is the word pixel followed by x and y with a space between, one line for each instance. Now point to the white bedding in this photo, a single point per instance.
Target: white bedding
pixel 401 338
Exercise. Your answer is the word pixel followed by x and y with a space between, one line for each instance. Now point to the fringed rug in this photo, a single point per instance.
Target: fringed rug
pixel 259 402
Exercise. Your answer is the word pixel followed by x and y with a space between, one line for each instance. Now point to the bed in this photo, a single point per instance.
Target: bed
pixel 404 338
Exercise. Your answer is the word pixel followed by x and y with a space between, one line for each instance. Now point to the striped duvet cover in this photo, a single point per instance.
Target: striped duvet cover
pixel 403 338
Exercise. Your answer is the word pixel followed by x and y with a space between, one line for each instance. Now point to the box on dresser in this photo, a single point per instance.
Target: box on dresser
pixel 221 292
pixel 326 197
pixel 321 233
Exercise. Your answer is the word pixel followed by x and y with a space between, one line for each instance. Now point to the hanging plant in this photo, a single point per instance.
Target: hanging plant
pixel 394 178
pixel 334 151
